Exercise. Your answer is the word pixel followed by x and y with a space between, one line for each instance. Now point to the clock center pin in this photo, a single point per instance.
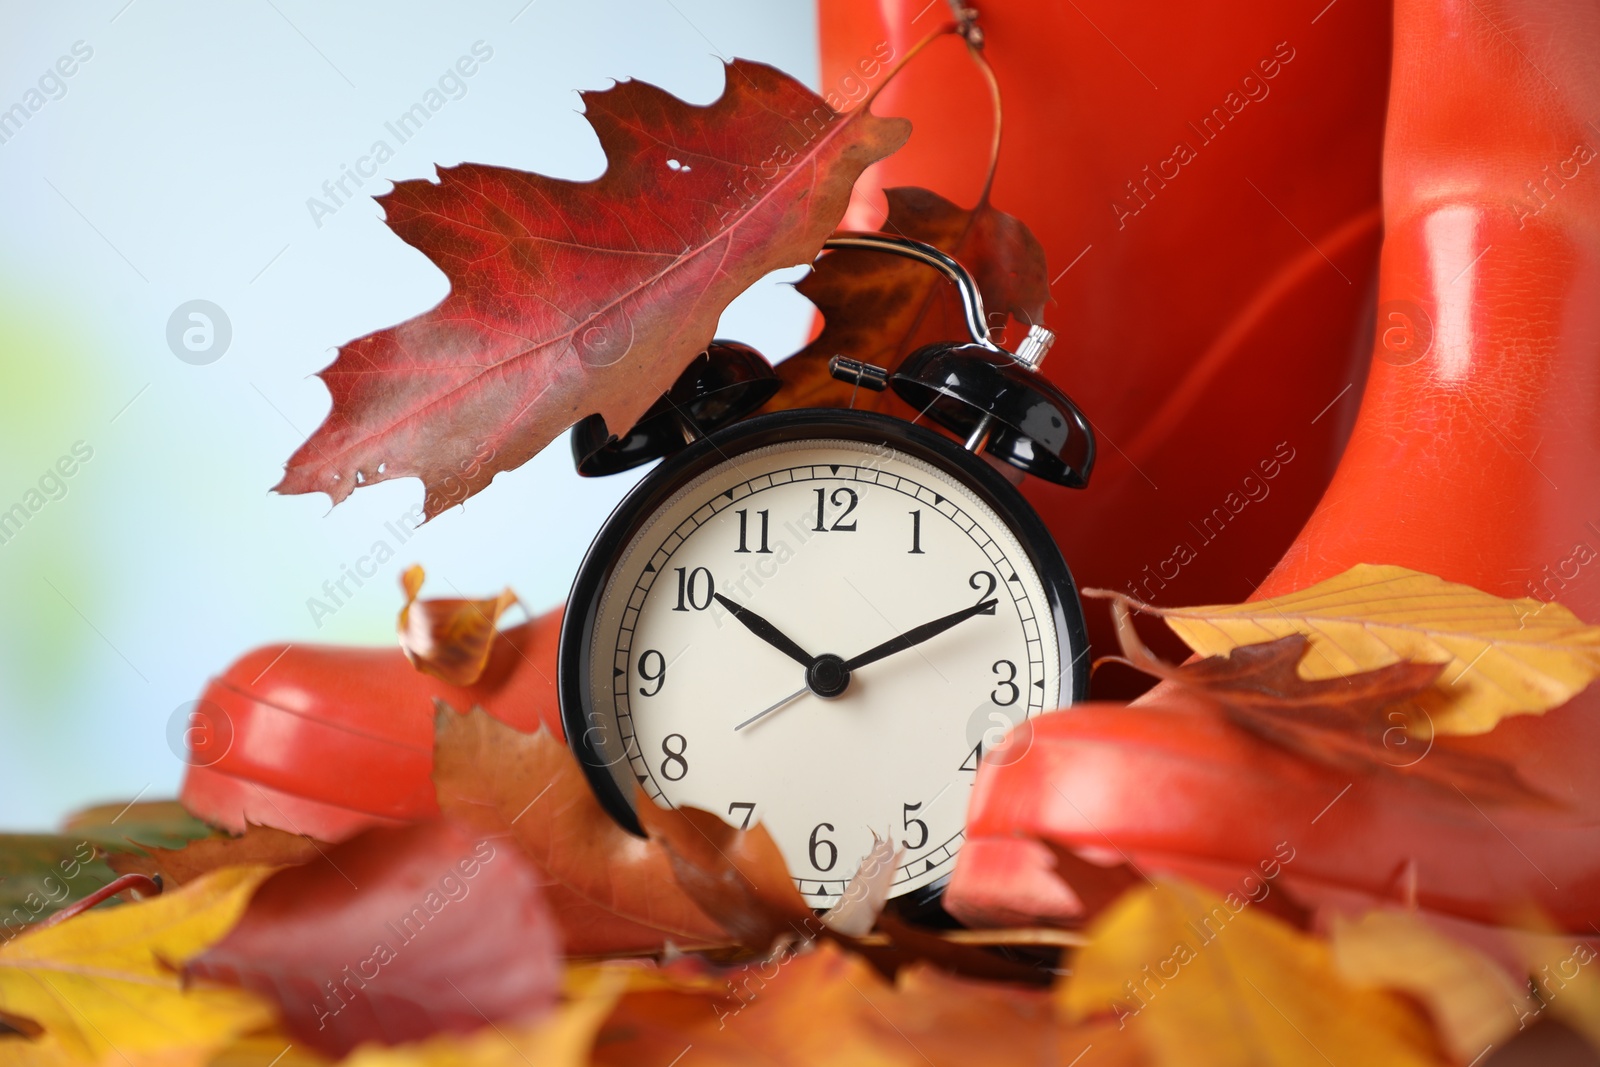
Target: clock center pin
pixel 827 676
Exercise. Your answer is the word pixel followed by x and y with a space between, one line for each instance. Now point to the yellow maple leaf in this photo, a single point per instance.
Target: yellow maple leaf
pixel 1197 981
pixel 268 1049
pixel 1502 657
pixel 1475 1004
pixel 104 986
pixel 564 1037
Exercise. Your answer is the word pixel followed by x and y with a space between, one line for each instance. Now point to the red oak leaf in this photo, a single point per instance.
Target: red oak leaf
pixel 567 297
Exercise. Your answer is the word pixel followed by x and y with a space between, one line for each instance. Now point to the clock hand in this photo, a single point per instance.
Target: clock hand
pixel 767 632
pixel 797 694
pixel 918 634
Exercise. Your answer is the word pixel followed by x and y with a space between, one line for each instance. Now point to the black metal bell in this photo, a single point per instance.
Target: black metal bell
pixel 723 384
pixel 988 398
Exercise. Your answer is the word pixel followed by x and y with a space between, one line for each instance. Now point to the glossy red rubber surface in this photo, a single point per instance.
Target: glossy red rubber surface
pixel 327 741
pixel 1475 456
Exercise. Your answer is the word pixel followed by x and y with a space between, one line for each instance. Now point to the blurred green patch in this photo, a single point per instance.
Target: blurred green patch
pixel 42 873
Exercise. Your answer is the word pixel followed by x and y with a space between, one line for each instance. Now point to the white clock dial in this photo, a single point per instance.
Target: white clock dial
pixel 841 546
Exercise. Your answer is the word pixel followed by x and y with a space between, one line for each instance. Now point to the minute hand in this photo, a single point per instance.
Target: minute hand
pixel 918 634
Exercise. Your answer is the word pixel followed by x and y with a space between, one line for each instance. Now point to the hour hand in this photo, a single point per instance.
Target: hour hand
pixel 918 634
pixel 767 632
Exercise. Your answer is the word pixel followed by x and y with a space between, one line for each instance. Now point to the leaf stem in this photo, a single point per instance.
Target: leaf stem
pixel 946 30
pixel 140 883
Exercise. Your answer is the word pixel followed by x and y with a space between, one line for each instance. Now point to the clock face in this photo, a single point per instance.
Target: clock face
pixel 825 552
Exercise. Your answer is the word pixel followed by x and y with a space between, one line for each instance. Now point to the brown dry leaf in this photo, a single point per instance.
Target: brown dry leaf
pixel 829 1006
pixel 1474 1003
pixel 1365 723
pixel 449 638
pixel 620 889
pixel 261 845
pixel 1499 657
pixel 738 877
pixel 880 308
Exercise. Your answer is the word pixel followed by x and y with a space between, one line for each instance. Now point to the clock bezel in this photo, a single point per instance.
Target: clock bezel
pixel 574 657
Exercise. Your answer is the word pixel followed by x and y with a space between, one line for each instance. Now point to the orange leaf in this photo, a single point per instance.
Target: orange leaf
pixel 829 1006
pixel 530 787
pixel 737 876
pixel 448 638
pixel 258 845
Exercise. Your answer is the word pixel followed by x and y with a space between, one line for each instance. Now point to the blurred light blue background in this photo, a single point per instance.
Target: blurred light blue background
pixel 175 164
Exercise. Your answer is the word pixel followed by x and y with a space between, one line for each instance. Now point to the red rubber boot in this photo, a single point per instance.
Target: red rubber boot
pixel 1475 456
pixel 328 741
pixel 1205 181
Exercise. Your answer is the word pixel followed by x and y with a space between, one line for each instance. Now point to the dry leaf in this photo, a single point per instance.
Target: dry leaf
pixel 147 824
pixel 880 308
pixel 572 297
pixel 394 935
pixel 827 1006
pixel 620 893
pixel 1365 723
pixel 738 877
pixel 258 845
pixel 449 638
pixel 562 1039
pixel 863 899
pixel 1199 983
pixel 1473 1001
pixel 103 988
pixel 1500 657
pixel 1565 972
pixel 270 1049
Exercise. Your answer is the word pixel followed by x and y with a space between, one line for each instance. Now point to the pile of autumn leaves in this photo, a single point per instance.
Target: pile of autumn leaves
pixel 442 942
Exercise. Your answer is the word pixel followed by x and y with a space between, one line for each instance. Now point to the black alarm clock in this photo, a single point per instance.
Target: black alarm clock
pixel 821 619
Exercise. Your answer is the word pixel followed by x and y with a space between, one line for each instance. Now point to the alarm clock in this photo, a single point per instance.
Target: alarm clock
pixel 821 619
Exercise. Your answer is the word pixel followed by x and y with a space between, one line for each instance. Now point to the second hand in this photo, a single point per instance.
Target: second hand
pixel 797 694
